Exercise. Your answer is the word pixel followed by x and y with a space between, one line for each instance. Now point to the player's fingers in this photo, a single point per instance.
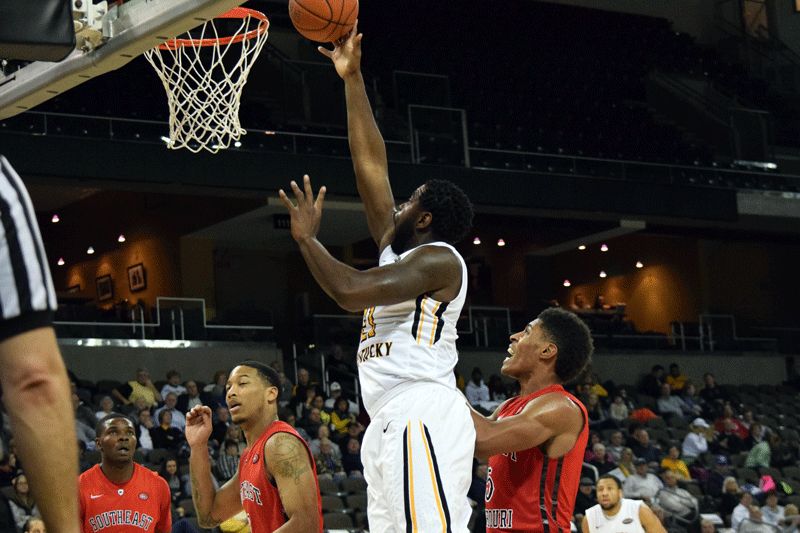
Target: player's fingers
pixel 307 186
pixel 297 192
pixel 320 197
pixel 324 51
pixel 285 199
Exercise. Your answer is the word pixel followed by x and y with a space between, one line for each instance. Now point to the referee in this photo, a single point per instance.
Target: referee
pixel 33 377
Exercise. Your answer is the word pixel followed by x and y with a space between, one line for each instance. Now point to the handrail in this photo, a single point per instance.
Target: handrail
pixel 706 324
pixel 142 324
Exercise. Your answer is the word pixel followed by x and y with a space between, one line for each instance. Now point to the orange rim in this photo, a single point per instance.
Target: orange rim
pixel 235 13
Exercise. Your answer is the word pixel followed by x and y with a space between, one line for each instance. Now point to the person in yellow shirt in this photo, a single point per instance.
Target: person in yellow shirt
pixel 673 462
pixel 675 379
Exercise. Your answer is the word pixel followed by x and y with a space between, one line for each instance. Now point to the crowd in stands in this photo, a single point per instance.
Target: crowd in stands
pixel 730 451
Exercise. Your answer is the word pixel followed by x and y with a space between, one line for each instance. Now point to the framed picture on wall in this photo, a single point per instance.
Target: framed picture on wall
pixel 137 281
pixel 105 288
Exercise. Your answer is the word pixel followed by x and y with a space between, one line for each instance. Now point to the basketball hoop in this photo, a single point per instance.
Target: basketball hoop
pixel 204 94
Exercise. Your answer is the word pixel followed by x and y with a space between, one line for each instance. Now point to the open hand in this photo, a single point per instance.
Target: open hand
pixel 306 216
pixel 346 53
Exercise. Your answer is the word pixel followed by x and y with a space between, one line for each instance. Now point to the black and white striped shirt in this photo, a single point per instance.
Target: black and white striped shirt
pixel 27 296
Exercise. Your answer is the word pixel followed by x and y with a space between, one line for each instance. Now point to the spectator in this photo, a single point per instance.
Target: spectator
pixel 693 402
pixel 83 412
pixel 165 435
pixel 216 389
pixel 313 421
pixel 169 472
pixel 760 455
pixel 476 390
pixel 772 513
pixel 144 424
pixel 351 458
pixel 675 378
pixel 673 463
pixel 713 395
pixel 756 434
pixel 651 384
pixel 173 384
pixel 625 467
pixel 477 496
pixel 715 479
pixel 303 408
pixel 731 430
pixel 602 459
pixel 286 390
pixel 792 520
pixel 236 434
pixel 674 500
pixel 328 465
pixel 597 415
pixel 615 446
pixel 303 383
pixel 341 418
pixel 190 399
pixel 83 463
pixel 600 303
pixel 641 485
pixel 584 499
pixel 644 449
pixel 731 495
pixel 742 510
pixel 497 390
pixel 336 393
pixel 106 408
pixel 228 461
pixel 707 526
pixel 578 304
pixel 618 411
pixel 338 368
pixel 695 442
pixel 319 403
pixel 219 427
pixel 141 386
pixel 286 415
pixel 178 418
pixel 21 502
pixel 323 432
pixel 668 404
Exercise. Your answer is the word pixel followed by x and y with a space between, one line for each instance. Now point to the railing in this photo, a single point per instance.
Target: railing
pixel 176 320
pixel 260 140
pixel 710 337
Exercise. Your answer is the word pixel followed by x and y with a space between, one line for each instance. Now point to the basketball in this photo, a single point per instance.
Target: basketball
pixel 323 21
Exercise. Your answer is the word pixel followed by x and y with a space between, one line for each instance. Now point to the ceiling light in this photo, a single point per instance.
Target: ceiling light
pixel 602 273
pixel 55 219
pixel 90 250
pixel 567 283
pixel 582 247
pixel 604 248
pixel 121 238
pixel 238 144
pixel 501 242
pixel 476 240
pixel 61 261
pixel 639 264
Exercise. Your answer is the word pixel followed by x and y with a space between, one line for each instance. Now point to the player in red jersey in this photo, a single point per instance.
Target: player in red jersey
pixel 118 495
pixel 535 442
pixel 276 483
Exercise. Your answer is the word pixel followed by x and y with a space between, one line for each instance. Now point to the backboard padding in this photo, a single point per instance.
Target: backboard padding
pixel 132 28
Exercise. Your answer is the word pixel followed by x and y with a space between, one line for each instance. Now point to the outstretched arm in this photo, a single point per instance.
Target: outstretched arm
pixel 425 270
pixel 289 463
pixel 551 419
pixel 366 143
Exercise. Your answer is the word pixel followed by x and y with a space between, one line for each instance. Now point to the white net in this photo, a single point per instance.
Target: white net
pixel 204 77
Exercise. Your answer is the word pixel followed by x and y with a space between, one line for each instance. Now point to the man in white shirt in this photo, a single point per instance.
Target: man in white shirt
pixel 695 442
pixel 336 392
pixel 614 514
pixel 669 404
pixel 642 485
pixel 772 513
pixel 178 418
pixel 675 500
pixel 743 510
pixel 173 384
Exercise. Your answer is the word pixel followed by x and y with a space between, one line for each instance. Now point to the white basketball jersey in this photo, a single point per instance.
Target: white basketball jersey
pixel 409 341
pixel 625 521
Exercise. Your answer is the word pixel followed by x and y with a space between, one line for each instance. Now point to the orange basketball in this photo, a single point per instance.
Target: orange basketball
pixel 323 21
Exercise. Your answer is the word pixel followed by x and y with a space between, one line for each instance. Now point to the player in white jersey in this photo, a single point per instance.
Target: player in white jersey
pixel 615 514
pixel 417 450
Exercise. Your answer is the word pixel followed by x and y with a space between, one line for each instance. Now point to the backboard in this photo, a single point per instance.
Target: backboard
pixel 124 32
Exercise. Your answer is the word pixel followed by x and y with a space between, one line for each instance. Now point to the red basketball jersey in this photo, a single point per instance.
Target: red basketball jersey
pixel 260 497
pixel 528 491
pixel 140 504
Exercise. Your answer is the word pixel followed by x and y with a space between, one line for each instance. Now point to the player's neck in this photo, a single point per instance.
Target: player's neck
pixel 534 383
pixel 613 511
pixel 253 430
pixel 117 473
